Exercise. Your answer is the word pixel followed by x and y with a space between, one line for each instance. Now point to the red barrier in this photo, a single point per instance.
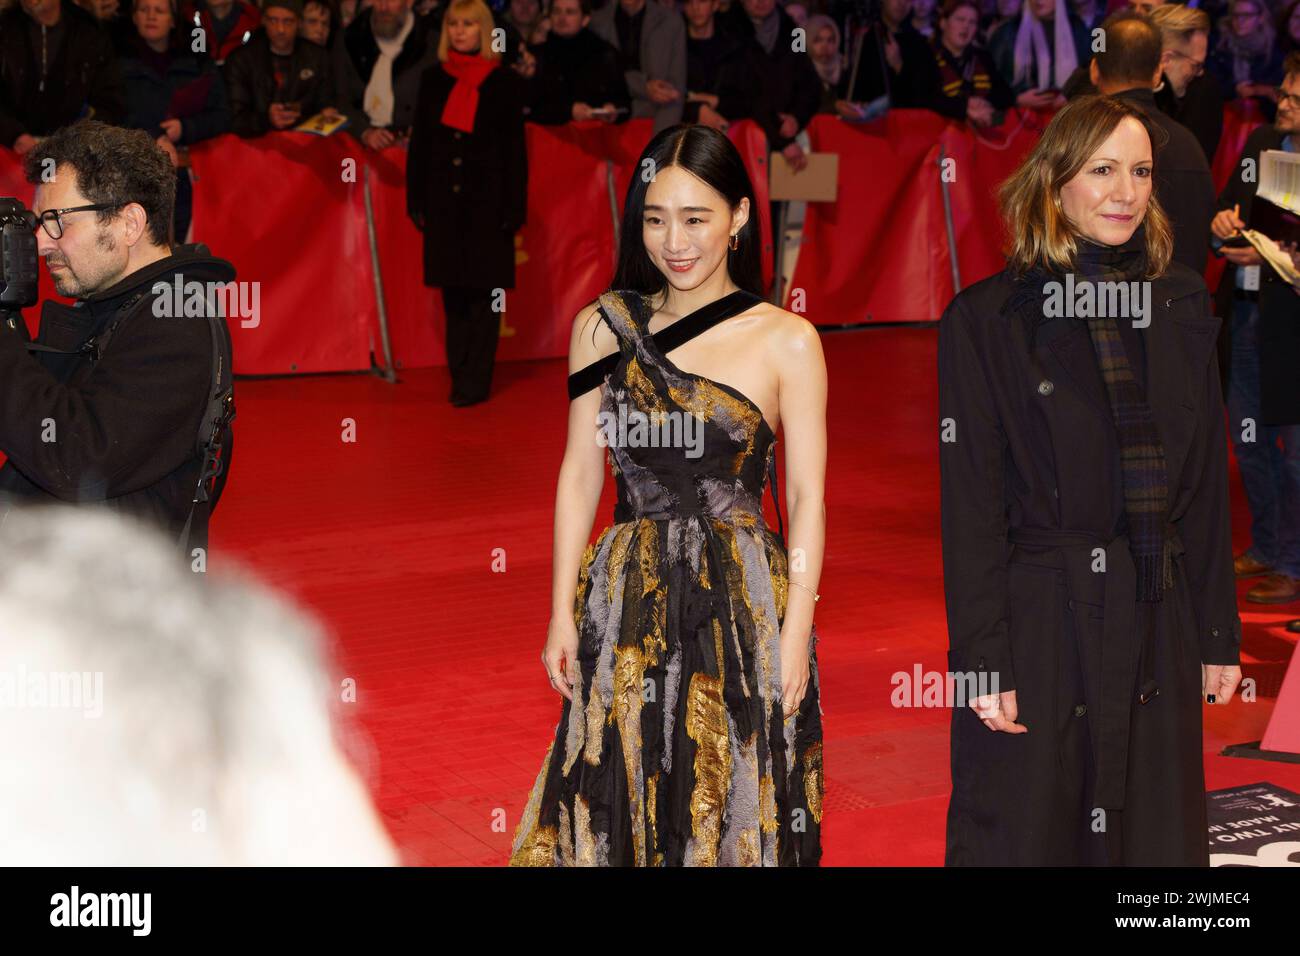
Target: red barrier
pixel 288 210
pixel 285 211
pixel 564 253
pixel 880 251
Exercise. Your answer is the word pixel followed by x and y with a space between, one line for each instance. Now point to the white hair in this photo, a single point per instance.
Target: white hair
pixel 151 716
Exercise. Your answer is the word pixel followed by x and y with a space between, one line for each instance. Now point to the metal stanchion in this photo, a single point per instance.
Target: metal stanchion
pixel 386 371
pixel 952 232
pixel 613 200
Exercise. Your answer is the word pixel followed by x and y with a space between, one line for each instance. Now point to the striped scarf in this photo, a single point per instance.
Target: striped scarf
pixel 1142 454
pixel 964 76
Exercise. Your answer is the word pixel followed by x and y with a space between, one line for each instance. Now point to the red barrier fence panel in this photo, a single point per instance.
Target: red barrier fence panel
pixel 286 210
pixel 880 252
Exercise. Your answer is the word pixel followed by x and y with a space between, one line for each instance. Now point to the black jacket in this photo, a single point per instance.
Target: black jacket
pixel 920 85
pixel 83 78
pixel 192 91
pixel 1031 503
pixel 354 60
pixel 1279 306
pixel 869 75
pixel 788 81
pixel 1200 110
pixel 582 68
pixel 124 428
pixel 251 87
pixel 471 188
pixel 1184 185
pixel 720 65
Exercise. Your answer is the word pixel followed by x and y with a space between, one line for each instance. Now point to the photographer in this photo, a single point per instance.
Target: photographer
pixel 107 406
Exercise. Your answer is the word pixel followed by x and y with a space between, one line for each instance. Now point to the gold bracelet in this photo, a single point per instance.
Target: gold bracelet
pixel 816 597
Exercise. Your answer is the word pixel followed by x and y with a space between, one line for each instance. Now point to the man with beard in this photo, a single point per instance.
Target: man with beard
pixel 106 407
pixel 379 62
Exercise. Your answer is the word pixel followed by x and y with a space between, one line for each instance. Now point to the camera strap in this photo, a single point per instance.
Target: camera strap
pixel 217 416
pixel 218 413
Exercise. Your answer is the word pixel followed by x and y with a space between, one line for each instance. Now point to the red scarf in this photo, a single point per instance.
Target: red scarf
pixel 470 70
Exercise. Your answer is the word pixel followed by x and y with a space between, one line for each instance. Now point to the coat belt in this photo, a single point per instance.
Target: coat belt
pixel 1125 656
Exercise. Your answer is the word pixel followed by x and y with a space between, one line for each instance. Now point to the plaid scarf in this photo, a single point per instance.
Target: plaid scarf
pixel 1142 455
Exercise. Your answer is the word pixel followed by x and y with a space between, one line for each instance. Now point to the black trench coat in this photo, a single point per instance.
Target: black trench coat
pixel 1031 497
pixel 471 188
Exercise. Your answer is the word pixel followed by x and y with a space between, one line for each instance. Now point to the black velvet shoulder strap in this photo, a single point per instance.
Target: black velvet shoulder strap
pixel 665 340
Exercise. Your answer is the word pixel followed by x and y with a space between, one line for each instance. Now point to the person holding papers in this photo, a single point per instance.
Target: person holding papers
pixel 1263 393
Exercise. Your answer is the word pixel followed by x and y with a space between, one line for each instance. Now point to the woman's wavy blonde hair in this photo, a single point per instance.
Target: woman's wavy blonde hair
pixel 1040 233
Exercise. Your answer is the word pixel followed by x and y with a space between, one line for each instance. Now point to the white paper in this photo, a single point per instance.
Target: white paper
pixel 1279 178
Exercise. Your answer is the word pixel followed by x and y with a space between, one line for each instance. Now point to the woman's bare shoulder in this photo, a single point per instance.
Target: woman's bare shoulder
pixel 590 339
pixel 786 332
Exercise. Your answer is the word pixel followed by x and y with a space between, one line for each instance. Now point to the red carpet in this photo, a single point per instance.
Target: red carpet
pixel 392 538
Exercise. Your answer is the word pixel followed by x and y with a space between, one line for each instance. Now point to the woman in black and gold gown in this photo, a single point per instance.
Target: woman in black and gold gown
pixel 691 732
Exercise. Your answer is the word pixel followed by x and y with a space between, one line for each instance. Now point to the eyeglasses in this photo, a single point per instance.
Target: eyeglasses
pixel 1198 66
pixel 53 223
pixel 1289 100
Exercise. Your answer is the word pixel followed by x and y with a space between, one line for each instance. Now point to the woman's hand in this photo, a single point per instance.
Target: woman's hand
pixel 797 158
pixel 999 712
pixel 794 672
pixel 560 655
pixel 1036 100
pixel 1220 681
pixel 170 149
pixel 979 111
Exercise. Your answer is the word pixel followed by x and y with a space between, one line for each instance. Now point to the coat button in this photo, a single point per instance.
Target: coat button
pixel 1070 604
pixel 1045 387
pixel 1214 632
pixel 456 134
pixel 1080 710
pixel 455 187
pixel 455 160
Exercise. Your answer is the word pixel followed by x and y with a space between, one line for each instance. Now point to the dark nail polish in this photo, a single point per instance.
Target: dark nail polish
pixel 1209 698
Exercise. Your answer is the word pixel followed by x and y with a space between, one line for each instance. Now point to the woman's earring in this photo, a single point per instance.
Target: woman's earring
pixel 734 242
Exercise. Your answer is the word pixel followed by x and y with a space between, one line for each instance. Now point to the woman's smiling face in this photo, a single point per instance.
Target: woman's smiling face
pixel 686 225
pixel 1107 198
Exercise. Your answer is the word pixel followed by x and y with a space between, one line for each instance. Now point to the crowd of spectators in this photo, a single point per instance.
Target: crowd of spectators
pixel 206 67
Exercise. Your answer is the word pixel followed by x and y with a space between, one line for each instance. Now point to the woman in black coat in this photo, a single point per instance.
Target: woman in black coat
pixel 1084 509
pixel 175 96
pixel 467 186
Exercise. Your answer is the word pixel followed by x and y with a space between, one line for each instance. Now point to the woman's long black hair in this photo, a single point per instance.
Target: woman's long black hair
pixel 708 154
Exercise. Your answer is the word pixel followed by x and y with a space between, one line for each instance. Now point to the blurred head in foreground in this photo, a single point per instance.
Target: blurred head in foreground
pixel 151 716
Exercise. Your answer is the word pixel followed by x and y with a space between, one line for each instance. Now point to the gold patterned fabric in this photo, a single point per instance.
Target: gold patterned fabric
pixel 674 751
